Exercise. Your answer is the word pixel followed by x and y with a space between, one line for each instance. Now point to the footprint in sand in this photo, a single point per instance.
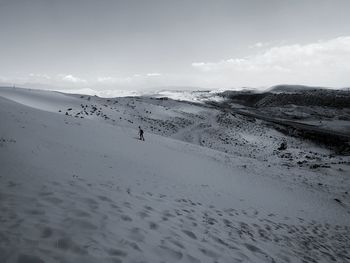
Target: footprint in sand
pixel 79 223
pixel 167 214
pixel 136 234
pixel 227 222
pixel 67 244
pixel 167 252
pixel 190 234
pixel 12 184
pixel 209 253
pixel 81 213
pixel 53 200
pixel 143 214
pixel 192 259
pixel 149 208
pixel 35 212
pixel 258 252
pixel 23 258
pixel 175 242
pixel 45 193
pixel 116 207
pixel 46 232
pixel 117 252
pixel 104 198
pixel 92 203
pixel 131 244
pixel 127 204
pixel 153 225
pixel 126 218
pixel 209 220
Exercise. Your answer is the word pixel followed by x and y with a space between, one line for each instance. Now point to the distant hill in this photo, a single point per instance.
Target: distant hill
pixel 282 95
pixel 293 88
pixel 317 97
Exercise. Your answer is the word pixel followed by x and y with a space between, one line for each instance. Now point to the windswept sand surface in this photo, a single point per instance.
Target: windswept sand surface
pixel 203 187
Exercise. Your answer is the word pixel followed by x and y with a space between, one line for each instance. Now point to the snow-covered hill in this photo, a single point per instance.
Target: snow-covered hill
pixel 76 185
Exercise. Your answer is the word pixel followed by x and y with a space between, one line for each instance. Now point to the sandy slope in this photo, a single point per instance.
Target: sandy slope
pixel 86 190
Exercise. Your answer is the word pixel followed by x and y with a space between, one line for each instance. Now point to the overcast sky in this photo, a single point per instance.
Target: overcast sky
pixel 107 44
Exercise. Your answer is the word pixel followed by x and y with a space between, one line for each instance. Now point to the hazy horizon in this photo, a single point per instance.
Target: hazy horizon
pixel 142 46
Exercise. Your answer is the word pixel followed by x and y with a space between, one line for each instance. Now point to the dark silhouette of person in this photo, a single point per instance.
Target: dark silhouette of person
pixel 141 134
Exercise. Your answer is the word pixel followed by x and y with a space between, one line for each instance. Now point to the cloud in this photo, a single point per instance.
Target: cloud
pixel 105 79
pixel 260 45
pixel 138 81
pixel 132 80
pixel 155 74
pixel 36 76
pixel 3 79
pixel 108 80
pixel 72 79
pixel 323 62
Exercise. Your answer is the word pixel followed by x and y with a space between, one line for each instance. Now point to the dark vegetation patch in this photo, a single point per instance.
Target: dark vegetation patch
pixel 317 97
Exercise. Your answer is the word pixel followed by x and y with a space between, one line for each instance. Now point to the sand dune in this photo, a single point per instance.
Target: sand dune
pixel 82 187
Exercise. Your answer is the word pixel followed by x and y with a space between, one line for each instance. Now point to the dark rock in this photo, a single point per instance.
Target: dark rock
pixel 283 146
pixel 337 200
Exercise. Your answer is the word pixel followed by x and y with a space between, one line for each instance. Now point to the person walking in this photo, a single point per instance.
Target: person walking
pixel 141 134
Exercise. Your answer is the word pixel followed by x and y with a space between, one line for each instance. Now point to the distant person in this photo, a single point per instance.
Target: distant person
pixel 141 134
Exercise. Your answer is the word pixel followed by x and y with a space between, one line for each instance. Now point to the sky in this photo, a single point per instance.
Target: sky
pixel 182 44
